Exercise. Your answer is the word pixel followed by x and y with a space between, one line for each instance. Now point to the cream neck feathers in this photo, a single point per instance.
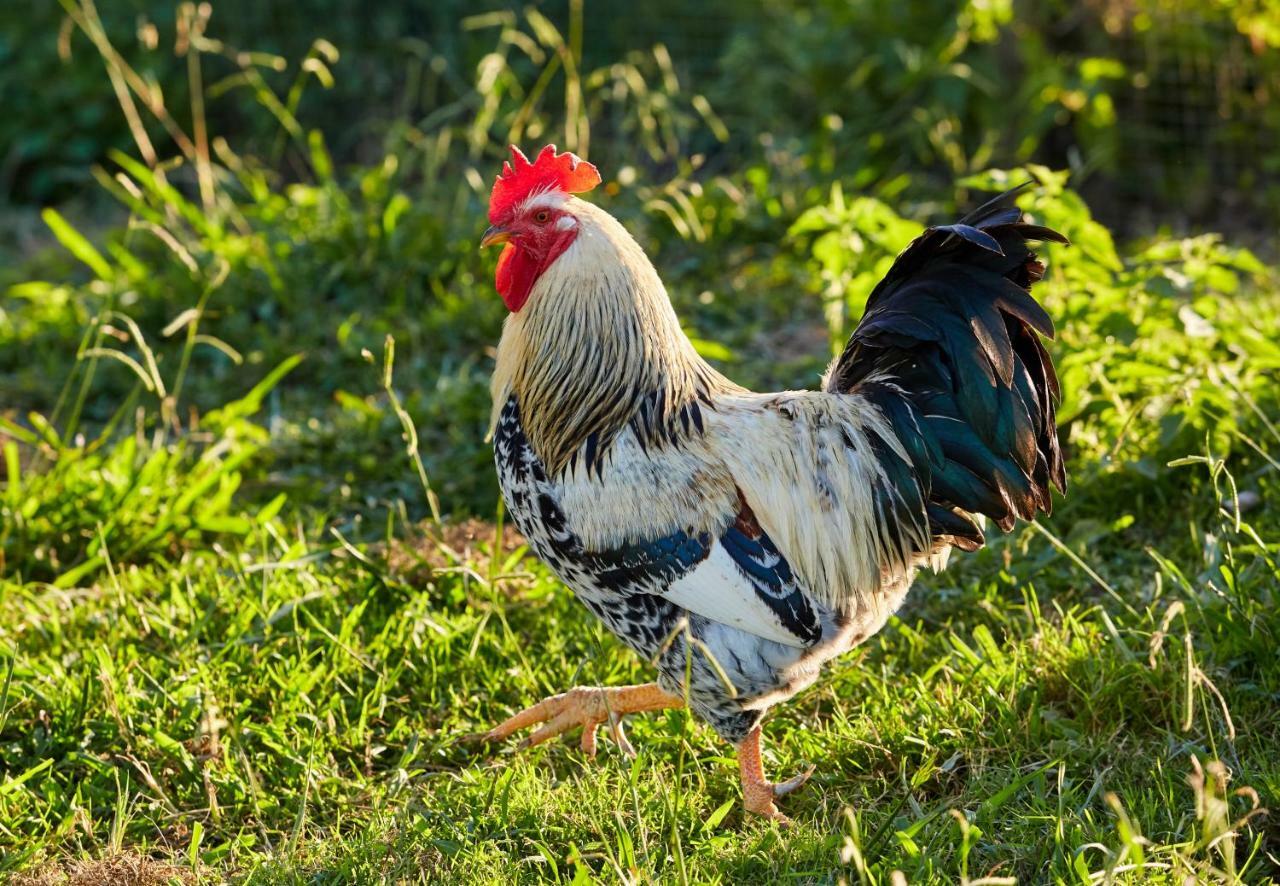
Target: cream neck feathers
pixel 597 347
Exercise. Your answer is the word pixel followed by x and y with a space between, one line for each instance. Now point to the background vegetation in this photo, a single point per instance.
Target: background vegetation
pixel 255 589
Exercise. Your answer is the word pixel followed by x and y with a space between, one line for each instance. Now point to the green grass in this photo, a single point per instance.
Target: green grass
pixel 289 707
pixel 247 626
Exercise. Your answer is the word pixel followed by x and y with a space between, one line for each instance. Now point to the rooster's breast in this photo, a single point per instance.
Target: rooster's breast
pixel 628 600
pixel 720 603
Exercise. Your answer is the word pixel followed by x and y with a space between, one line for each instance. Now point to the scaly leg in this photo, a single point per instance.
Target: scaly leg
pixel 758 793
pixel 588 707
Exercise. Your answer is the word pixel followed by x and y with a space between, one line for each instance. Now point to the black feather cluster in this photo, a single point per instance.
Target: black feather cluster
pixel 949 349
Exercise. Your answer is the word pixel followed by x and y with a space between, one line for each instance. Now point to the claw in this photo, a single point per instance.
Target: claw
pixel 620 738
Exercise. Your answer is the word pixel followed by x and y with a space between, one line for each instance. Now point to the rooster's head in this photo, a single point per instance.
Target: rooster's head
pixel 532 213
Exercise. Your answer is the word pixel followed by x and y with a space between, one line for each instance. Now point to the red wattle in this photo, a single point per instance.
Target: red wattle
pixel 520 266
pixel 517 272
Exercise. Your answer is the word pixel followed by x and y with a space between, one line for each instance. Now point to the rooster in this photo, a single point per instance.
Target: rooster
pixel 740 540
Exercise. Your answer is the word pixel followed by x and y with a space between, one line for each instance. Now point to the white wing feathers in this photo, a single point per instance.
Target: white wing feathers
pixel 805 465
pixel 717 589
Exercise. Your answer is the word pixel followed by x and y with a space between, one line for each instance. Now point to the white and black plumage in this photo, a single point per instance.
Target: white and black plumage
pixel 747 538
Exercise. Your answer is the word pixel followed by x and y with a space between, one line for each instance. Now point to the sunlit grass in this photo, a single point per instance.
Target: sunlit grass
pixel 307 705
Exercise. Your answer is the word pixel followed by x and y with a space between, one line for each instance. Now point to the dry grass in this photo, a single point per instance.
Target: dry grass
pixel 125 869
pixel 447 547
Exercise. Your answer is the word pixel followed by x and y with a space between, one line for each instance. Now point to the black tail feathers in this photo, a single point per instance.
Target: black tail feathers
pixel 949 349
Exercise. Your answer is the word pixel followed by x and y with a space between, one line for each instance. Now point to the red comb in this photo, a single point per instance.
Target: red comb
pixel 549 172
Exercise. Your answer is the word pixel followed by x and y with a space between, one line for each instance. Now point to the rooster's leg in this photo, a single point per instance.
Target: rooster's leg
pixel 588 707
pixel 758 793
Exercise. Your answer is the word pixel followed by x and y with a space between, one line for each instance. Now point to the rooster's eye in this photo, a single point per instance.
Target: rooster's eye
pixel 542 217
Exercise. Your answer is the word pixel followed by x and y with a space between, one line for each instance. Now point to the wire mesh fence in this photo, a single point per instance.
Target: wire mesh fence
pixel 1200 113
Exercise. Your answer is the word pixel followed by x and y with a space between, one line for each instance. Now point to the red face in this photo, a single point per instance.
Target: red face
pixel 534 237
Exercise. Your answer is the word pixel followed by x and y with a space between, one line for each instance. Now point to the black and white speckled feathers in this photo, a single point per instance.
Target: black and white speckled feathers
pixel 634 587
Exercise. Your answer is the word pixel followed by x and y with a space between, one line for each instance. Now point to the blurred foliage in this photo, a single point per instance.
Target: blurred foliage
pixel 1168 103
pixel 402 63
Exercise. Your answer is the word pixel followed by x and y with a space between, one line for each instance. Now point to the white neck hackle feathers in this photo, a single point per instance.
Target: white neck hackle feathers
pixel 597 344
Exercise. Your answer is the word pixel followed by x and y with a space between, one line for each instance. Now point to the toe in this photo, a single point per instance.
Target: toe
pixel 585 706
pixel 791 784
pixel 764 806
pixel 537 713
pixel 548 731
pixel 588 743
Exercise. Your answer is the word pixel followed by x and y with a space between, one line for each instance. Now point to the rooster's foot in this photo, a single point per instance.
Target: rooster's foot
pixel 588 707
pixel 758 793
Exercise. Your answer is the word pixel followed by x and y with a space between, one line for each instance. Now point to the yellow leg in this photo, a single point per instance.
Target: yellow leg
pixel 588 707
pixel 758 793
